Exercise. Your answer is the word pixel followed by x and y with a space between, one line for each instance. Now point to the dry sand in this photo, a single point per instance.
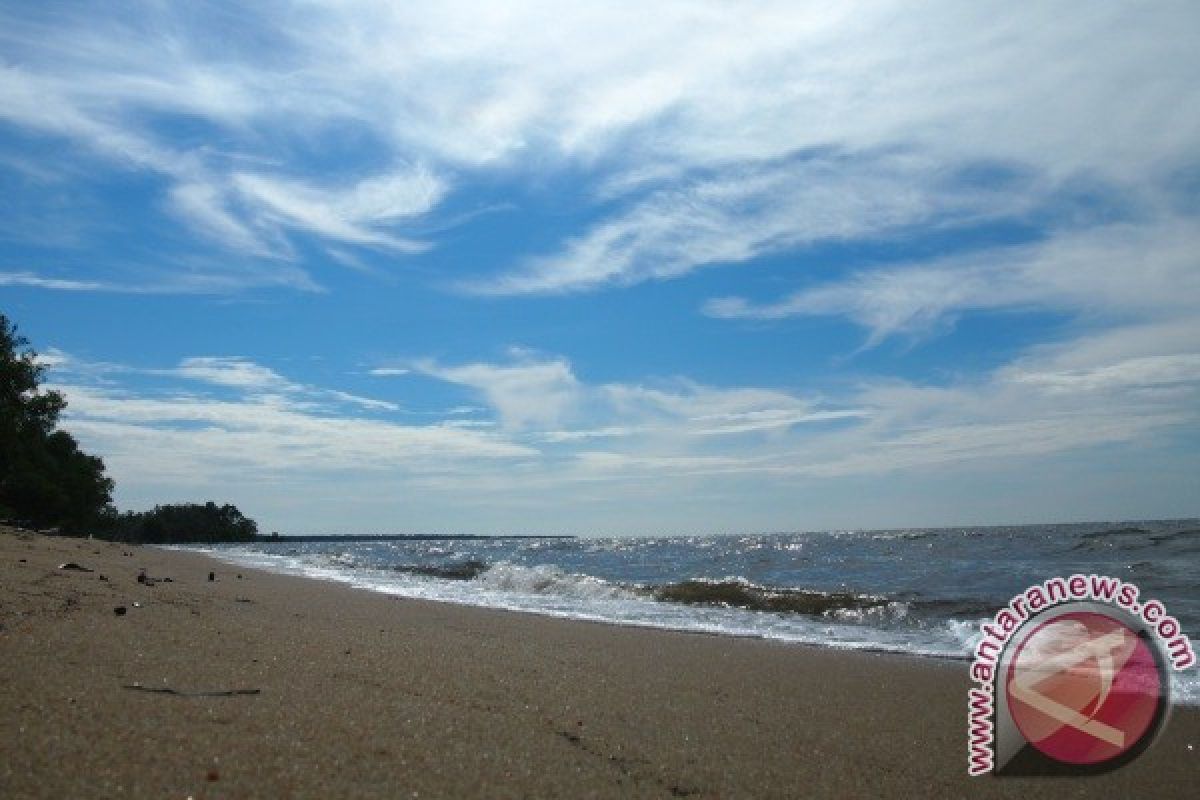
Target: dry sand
pixel 363 695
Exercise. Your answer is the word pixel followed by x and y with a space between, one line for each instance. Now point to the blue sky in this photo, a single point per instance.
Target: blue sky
pixel 579 268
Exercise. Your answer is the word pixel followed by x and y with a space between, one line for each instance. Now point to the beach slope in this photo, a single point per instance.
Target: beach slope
pixel 260 685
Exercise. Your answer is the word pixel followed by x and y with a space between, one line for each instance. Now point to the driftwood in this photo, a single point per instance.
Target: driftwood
pixel 137 687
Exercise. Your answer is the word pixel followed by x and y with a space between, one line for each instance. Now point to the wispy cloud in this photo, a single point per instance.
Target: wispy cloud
pixel 1081 393
pixel 120 87
pixel 1149 372
pixel 527 393
pixel 182 438
pixel 208 279
pixel 259 428
pixel 1118 270
pixel 232 371
pixel 266 428
pixel 741 214
pixel 255 379
pixel 59 284
pixel 1078 394
pixel 216 148
pixel 203 205
pixel 460 90
pixel 348 215
pixel 748 84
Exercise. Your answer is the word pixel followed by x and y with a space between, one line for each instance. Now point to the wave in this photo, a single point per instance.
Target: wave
pixel 749 596
pixel 906 536
pixel 666 583
pixel 549 580
pixel 1121 539
pixel 554 581
pixel 455 571
pixel 1186 541
pixel 954 609
pixel 1126 539
pixel 1127 531
pixel 733 593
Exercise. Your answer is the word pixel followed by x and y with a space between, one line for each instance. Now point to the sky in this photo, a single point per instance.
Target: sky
pixel 606 268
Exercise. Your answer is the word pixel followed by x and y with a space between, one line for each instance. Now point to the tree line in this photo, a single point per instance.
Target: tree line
pixel 46 481
pixel 185 522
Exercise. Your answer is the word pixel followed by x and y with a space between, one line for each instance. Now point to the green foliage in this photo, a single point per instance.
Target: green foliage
pixel 45 479
pixel 183 523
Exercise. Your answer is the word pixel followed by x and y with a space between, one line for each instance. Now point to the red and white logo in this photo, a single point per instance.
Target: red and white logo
pixel 1072 677
pixel 1084 688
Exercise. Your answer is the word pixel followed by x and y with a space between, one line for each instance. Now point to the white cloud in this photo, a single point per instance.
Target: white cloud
pixel 52 358
pixel 242 376
pixel 43 103
pixel 543 399
pixel 740 215
pixel 269 428
pixel 61 284
pixel 362 402
pixel 108 86
pixel 1148 371
pixel 348 215
pixel 1120 269
pixel 1112 386
pixel 232 371
pixel 1028 409
pixel 203 206
pixel 648 102
pixel 541 402
pixel 548 438
pixel 146 439
pixel 701 134
pixel 255 379
pixel 524 394
pixel 713 82
pixel 1156 362
pixel 771 419
pixel 181 278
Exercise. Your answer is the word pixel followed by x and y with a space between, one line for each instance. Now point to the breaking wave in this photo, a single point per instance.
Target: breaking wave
pixel 918 591
pixel 749 596
pixel 455 571
pixel 549 580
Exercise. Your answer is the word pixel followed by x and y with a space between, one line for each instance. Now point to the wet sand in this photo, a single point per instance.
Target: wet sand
pixel 336 692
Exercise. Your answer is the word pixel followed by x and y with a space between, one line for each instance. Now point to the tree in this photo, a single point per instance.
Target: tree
pixel 23 410
pixel 184 523
pixel 45 479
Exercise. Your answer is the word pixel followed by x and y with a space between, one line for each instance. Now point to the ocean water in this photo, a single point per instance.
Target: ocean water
pixel 917 591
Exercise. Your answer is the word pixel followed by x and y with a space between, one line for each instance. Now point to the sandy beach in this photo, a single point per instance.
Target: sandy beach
pixel 289 687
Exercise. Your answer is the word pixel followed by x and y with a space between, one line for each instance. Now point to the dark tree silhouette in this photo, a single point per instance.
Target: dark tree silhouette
pixel 184 523
pixel 45 479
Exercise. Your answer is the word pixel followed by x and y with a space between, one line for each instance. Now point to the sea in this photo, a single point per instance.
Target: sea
pixel 921 591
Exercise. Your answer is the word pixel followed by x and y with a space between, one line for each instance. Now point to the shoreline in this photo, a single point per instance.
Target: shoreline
pixel 937 658
pixel 367 694
pixel 346 579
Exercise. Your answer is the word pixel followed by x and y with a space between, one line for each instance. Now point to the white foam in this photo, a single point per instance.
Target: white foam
pixel 551 591
pixel 966 632
pixel 1185 688
pixel 549 580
